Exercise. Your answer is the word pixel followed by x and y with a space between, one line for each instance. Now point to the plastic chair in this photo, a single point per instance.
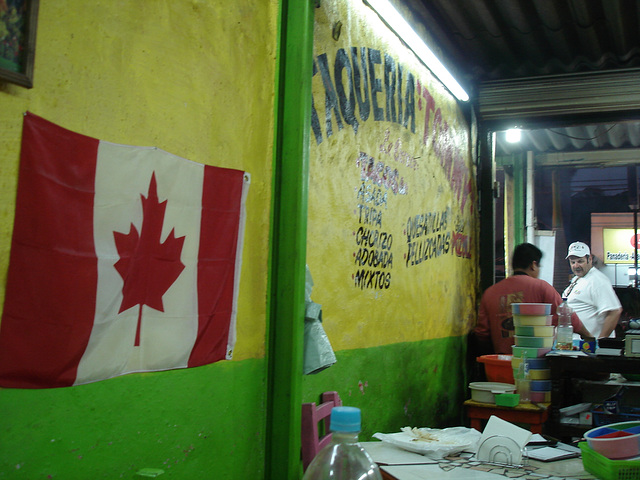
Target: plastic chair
pixel 314 440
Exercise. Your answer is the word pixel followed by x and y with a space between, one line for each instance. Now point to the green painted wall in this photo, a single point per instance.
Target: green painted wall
pixel 416 384
pixel 188 423
pixel 194 78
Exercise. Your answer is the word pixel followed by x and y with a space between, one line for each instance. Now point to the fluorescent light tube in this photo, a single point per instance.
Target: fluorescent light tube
pixel 402 29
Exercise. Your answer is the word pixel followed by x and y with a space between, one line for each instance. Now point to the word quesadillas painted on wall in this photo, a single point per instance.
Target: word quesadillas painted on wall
pixel 123 259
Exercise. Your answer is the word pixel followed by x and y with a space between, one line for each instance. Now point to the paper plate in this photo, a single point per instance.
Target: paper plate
pixel 433 442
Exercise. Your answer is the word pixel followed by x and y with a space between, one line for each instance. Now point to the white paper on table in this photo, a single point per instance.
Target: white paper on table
pixel 442 442
pixel 385 454
pixel 431 472
pixel 537 438
pixel 547 454
pixel 502 442
pixel 566 353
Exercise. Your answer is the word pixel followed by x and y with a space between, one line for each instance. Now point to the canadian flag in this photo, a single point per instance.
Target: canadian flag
pixel 123 259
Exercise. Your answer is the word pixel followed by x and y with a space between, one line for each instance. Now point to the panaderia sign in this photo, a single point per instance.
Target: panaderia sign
pixel 619 245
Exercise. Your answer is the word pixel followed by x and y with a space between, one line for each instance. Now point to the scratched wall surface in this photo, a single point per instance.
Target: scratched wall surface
pixel 194 78
pixel 392 244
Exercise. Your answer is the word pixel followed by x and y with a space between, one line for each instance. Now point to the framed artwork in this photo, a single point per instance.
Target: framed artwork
pixel 18 25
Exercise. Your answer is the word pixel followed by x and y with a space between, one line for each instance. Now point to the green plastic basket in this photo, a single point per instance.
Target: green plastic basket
pixel 607 469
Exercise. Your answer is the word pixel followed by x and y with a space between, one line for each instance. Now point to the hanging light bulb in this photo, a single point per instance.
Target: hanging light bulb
pixel 513 135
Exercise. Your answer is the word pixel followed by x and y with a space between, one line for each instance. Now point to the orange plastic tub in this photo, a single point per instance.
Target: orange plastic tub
pixel 497 367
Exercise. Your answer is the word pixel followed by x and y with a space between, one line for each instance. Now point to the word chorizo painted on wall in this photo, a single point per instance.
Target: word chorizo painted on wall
pixel 447 150
pixel 373 257
pixel 364 94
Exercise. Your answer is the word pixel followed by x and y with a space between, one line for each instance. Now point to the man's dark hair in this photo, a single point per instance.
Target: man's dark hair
pixel 524 255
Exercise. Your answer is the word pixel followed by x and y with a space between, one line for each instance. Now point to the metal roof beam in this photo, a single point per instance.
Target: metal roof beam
pixel 599 158
pixel 560 99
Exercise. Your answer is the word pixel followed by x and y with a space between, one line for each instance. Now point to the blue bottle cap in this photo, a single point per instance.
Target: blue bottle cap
pixel 345 419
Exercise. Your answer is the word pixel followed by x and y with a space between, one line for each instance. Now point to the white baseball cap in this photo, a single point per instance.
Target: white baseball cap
pixel 578 249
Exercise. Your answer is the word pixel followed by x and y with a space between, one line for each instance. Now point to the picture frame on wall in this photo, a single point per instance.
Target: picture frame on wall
pixel 18 25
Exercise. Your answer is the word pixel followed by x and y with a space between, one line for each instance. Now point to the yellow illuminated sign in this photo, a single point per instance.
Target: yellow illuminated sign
pixel 619 245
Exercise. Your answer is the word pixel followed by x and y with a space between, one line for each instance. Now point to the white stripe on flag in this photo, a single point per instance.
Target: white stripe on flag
pixel 231 342
pixel 166 339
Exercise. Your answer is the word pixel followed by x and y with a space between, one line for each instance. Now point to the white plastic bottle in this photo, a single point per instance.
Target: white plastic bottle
pixel 564 331
pixel 344 458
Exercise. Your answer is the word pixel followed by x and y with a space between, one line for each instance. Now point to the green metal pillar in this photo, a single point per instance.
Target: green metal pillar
pixel 285 325
pixel 514 230
pixel 519 200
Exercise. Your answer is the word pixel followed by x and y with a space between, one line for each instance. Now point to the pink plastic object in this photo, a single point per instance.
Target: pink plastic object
pixel 314 439
pixel 540 397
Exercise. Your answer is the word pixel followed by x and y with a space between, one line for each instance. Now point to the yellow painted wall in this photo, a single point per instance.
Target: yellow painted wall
pixel 422 208
pixel 195 78
pixel 192 77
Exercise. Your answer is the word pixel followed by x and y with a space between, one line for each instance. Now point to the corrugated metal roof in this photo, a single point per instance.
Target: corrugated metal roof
pixel 579 138
pixel 505 39
pixel 485 41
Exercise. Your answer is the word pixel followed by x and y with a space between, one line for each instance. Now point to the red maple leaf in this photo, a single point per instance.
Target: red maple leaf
pixel 147 266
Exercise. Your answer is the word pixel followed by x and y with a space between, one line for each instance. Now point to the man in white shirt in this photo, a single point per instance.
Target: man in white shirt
pixel 590 293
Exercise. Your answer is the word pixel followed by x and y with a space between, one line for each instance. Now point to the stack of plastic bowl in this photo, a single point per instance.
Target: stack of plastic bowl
pixel 540 376
pixel 540 391
pixel 534 333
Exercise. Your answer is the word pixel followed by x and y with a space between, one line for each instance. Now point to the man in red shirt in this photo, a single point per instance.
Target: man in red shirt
pixel 495 320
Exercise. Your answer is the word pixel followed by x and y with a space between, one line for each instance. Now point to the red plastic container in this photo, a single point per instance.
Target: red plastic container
pixel 498 368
